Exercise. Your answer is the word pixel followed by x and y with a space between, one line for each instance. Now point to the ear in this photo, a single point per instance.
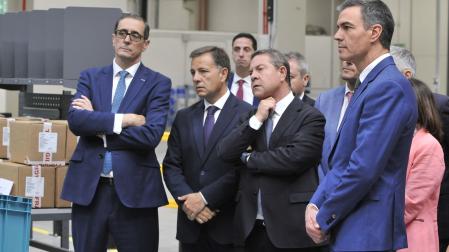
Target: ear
pixel 283 73
pixel 407 73
pixel 224 72
pixel 306 79
pixel 146 44
pixel 376 31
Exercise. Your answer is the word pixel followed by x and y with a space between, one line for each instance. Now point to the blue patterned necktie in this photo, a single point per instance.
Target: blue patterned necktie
pixel 269 128
pixel 118 97
pixel 209 123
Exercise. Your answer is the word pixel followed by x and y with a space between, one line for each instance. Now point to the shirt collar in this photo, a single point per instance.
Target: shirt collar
pixel 219 103
pixel 282 105
pixel 247 79
pixel 131 70
pixel 371 66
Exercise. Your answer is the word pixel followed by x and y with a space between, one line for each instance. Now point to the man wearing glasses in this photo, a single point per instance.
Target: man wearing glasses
pixel 119 112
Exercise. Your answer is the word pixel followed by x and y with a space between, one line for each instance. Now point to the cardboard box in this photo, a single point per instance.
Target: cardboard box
pixel 18 173
pixel 61 171
pixel 31 142
pixel 3 148
pixel 71 140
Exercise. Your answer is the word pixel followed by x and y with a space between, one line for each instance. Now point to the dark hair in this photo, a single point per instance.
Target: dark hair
pixel 146 32
pixel 374 12
pixel 428 117
pixel 220 57
pixel 277 60
pixel 248 36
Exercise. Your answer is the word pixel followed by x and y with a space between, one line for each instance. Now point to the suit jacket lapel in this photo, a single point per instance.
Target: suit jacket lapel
pixel 358 92
pixel 134 88
pixel 197 126
pixel 287 119
pixel 226 115
pixel 103 87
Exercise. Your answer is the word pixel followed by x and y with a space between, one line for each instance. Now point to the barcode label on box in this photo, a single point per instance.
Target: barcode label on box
pixel 48 142
pixel 34 186
pixel 5 140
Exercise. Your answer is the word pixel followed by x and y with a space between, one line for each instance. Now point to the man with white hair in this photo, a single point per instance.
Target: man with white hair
pixel 405 61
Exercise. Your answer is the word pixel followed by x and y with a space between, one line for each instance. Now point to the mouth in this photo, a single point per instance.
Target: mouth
pixel 125 49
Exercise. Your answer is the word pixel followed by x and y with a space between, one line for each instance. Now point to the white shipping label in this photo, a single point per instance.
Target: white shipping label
pixel 5 140
pixel 34 186
pixel 48 142
pixel 5 186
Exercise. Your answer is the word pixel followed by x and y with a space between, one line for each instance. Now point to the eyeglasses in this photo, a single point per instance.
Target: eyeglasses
pixel 133 36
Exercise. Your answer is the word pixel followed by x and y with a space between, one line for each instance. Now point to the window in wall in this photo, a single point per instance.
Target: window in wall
pixel 3 6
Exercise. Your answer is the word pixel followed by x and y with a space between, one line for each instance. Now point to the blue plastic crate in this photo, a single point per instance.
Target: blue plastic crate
pixel 15 222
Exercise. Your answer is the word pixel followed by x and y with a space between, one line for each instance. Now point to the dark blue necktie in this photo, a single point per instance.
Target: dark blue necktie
pixel 209 123
pixel 118 97
pixel 269 128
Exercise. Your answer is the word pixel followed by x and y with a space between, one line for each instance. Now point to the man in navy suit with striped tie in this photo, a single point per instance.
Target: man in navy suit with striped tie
pixel 119 112
pixel 204 185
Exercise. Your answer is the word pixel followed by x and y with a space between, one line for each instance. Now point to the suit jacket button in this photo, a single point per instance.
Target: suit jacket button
pixel 334 216
pixel 101 156
pixel 202 173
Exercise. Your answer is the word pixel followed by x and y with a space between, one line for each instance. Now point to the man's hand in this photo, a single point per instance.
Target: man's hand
pixel 312 226
pixel 82 103
pixel 205 215
pixel 265 107
pixel 193 204
pixel 132 120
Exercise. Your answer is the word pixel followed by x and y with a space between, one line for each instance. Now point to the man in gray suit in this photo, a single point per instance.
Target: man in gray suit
pixel 333 104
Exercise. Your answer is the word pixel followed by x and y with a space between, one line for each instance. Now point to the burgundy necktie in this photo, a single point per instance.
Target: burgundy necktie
pixel 240 90
pixel 209 123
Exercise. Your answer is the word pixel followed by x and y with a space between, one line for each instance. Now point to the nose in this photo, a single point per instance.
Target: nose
pixel 337 35
pixel 195 77
pixel 127 38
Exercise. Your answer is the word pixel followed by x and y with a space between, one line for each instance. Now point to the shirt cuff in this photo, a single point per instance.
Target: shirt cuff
pixel 118 119
pixel 254 123
pixel 314 206
pixel 105 143
pixel 204 199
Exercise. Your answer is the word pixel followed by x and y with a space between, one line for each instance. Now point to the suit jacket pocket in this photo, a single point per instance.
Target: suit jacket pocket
pixel 301 197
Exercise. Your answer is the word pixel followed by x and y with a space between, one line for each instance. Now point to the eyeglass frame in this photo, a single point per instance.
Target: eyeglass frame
pixel 131 38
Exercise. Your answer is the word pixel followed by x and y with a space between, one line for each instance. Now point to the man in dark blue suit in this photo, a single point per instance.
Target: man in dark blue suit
pixel 239 83
pixel 405 61
pixel 360 202
pixel 204 185
pixel 114 181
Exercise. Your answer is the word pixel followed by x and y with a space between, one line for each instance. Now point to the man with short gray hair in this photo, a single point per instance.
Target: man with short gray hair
pixel 405 61
pixel 299 76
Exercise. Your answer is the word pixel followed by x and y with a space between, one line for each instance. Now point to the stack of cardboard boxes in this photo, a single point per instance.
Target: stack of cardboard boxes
pixel 34 154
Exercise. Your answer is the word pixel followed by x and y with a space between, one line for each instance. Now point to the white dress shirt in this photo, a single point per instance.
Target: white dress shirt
pixel 247 90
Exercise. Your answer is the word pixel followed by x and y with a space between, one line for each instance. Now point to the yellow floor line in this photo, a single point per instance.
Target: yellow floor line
pixel 40 231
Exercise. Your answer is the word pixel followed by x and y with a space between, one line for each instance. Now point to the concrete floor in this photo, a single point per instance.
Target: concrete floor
pixel 42 230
